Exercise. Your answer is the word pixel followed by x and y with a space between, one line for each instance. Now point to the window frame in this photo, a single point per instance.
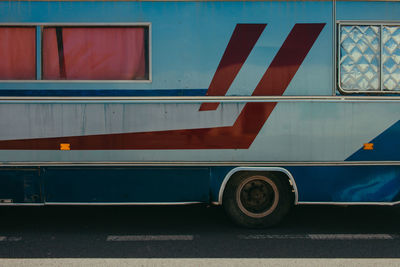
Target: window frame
pixel 381 24
pixel 39 50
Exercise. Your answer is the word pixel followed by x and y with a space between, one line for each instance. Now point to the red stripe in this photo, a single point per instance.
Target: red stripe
pixel 238 136
pixel 288 59
pixel 242 41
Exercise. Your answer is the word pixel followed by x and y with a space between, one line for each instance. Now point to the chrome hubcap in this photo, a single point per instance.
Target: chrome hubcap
pixel 257 196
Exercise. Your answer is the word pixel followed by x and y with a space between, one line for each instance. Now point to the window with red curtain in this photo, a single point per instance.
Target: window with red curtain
pixel 17 53
pixel 94 53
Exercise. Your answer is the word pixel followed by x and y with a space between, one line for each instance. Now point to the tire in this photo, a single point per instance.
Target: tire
pixel 257 200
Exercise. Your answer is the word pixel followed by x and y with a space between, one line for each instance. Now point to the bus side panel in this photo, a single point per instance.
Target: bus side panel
pixel 188 40
pixel 347 183
pixel 332 183
pixel 20 185
pixel 128 184
pixel 294 132
pixel 367 10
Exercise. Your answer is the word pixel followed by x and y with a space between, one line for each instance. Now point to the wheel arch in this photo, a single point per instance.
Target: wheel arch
pixel 234 171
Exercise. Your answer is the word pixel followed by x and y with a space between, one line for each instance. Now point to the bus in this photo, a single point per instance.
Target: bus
pixel 253 105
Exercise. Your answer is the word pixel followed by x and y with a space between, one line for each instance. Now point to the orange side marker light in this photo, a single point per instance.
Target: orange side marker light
pixel 65 147
pixel 369 146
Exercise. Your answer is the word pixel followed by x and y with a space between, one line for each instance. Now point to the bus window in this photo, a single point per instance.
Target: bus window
pixel 94 53
pixel 17 53
pixel 391 58
pixel 369 58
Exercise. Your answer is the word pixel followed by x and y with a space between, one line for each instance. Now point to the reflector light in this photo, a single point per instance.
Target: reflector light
pixel 368 146
pixel 65 147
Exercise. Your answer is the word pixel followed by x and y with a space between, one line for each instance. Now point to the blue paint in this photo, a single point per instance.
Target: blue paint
pixel 38 53
pixel 217 176
pixel 186 184
pixel 347 183
pixel 367 10
pixel 127 184
pixel 188 39
pixel 386 147
pixel 21 185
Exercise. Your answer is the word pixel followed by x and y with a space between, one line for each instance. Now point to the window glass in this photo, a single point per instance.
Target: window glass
pixel 359 62
pixel 369 58
pixel 391 58
pixel 94 53
pixel 17 53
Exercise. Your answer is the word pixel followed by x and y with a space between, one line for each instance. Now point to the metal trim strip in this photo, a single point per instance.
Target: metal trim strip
pixel 184 0
pixel 350 203
pixel 38 53
pixel 201 0
pixel 337 65
pixel 102 203
pixel 365 22
pixel 381 60
pixel 77 24
pixel 334 49
pixel 120 203
pixel 21 204
pixel 200 163
pixel 187 203
pixel 198 99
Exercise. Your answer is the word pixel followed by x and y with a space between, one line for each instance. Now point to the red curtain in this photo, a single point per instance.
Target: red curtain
pixel 94 53
pixel 17 53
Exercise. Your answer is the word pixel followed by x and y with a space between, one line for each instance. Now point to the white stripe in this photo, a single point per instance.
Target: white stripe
pixel 255 237
pixel 350 237
pixel 10 238
pixel 322 237
pixel 150 237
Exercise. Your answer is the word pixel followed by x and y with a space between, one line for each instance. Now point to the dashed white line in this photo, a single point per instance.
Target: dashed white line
pixel 10 238
pixel 322 237
pixel 350 236
pixel 255 237
pixel 150 238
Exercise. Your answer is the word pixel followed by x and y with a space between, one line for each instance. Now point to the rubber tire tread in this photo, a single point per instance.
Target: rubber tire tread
pixel 283 207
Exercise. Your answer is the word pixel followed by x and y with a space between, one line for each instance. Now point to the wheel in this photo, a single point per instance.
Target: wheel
pixel 257 200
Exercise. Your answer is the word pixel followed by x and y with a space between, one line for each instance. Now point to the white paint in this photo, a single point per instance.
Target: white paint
pixel 322 237
pixel 45 120
pixel 10 238
pixel 150 238
pixel 351 237
pixel 257 237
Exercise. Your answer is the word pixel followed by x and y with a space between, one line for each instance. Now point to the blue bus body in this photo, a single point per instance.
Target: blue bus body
pixel 180 134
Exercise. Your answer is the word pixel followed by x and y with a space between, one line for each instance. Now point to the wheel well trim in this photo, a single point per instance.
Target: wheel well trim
pixel 229 175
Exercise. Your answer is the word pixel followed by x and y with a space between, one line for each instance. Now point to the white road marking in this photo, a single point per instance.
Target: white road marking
pixel 272 237
pixel 10 238
pixel 323 237
pixel 351 237
pixel 150 237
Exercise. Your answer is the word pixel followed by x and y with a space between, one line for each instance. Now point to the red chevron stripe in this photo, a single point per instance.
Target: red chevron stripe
pixel 243 39
pixel 238 136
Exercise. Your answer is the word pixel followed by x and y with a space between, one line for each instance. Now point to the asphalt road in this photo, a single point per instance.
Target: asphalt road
pixel 196 232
